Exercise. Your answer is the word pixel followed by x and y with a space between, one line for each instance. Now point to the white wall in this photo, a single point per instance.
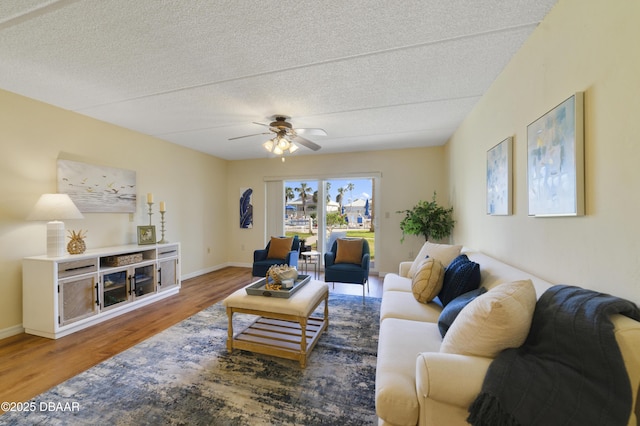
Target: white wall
pixel 582 45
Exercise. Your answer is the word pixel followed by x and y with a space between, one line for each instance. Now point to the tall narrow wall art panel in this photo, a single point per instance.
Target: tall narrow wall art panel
pixel 555 160
pixel 246 208
pixel 499 178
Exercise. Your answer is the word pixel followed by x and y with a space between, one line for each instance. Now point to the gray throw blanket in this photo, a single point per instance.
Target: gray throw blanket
pixel 569 371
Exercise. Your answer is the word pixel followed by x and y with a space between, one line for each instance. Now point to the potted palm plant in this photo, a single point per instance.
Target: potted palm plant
pixel 428 219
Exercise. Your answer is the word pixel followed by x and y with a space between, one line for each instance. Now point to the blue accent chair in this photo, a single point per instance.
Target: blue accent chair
pixel 347 272
pixel 261 263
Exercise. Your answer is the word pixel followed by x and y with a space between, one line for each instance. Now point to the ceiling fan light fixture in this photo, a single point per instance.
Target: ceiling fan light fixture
pixel 268 145
pixel 284 134
pixel 283 143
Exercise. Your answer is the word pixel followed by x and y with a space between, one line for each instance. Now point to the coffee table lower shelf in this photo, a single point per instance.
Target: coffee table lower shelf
pixel 280 338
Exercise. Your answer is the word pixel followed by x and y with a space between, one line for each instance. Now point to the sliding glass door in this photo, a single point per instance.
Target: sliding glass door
pixel 321 210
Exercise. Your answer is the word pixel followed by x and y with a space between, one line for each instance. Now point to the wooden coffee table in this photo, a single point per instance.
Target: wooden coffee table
pixel 285 327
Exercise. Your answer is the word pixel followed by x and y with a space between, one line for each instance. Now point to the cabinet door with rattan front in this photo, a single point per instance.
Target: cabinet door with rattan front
pixel 77 298
pixel 167 274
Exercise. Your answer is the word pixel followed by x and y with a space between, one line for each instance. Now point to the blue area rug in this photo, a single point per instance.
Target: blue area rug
pixel 185 376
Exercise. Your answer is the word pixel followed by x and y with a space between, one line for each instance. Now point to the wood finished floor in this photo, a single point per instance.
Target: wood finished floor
pixel 30 365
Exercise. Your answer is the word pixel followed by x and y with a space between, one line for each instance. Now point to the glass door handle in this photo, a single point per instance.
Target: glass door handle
pixel 97 295
pixel 159 276
pixel 132 284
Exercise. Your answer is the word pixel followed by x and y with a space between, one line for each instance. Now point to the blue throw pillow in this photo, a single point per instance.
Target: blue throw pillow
pixel 458 261
pixel 462 275
pixel 451 311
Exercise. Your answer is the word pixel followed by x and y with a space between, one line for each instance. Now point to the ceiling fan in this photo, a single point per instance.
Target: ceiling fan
pixel 286 136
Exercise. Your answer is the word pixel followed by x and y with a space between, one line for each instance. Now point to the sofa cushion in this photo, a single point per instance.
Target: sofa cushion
pixel 492 322
pixel 279 247
pixel 396 398
pixel 427 281
pixel 451 311
pixel 461 276
pixel 395 282
pixel 349 251
pixel 445 253
pixel 402 304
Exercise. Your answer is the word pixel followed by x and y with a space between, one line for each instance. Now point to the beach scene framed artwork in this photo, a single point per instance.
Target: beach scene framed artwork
pixel 98 189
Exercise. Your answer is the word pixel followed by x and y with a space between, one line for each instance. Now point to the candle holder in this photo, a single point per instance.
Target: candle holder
pixel 162 241
pixel 150 212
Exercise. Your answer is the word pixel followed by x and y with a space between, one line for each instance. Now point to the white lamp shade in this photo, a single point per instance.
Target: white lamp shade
pixel 283 144
pixel 280 145
pixel 54 208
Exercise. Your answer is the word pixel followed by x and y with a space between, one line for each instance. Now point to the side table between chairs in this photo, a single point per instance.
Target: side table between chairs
pixel 311 258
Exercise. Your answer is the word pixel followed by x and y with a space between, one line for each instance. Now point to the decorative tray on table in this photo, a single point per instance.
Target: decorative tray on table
pixel 259 288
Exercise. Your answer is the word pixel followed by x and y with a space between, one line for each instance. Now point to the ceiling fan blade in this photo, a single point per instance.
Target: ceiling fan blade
pixel 311 132
pixel 247 136
pixel 307 143
pixel 261 124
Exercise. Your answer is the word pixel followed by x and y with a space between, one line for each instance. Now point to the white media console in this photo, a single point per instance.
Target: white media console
pixel 61 295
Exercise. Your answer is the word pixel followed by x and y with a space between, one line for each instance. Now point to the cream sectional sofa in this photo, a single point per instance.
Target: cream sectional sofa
pixel 418 384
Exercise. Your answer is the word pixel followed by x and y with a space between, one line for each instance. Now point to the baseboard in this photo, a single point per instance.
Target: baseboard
pixel 215 268
pixel 201 272
pixel 11 331
pixel 240 265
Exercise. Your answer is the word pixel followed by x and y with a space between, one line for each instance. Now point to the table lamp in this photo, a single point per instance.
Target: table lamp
pixel 55 208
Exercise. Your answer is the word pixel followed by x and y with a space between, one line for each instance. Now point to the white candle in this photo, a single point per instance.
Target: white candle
pixel 149 197
pixel 162 206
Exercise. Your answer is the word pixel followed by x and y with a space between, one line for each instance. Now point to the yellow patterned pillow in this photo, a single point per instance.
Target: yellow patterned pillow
pixel 445 253
pixel 427 282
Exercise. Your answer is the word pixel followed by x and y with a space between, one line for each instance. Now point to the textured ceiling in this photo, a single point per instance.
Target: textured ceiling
pixel 374 74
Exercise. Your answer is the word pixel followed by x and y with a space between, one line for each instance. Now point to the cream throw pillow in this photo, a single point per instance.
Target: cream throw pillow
pixel 494 321
pixel 445 253
pixel 427 282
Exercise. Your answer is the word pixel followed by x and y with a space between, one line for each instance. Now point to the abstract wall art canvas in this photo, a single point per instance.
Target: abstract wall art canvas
pixel 499 178
pixel 246 208
pixel 555 160
pixel 98 189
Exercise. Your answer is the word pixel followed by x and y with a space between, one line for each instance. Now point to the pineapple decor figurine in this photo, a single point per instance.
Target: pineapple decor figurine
pixel 76 245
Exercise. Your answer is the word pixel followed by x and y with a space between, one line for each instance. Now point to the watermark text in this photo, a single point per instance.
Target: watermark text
pixel 40 406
